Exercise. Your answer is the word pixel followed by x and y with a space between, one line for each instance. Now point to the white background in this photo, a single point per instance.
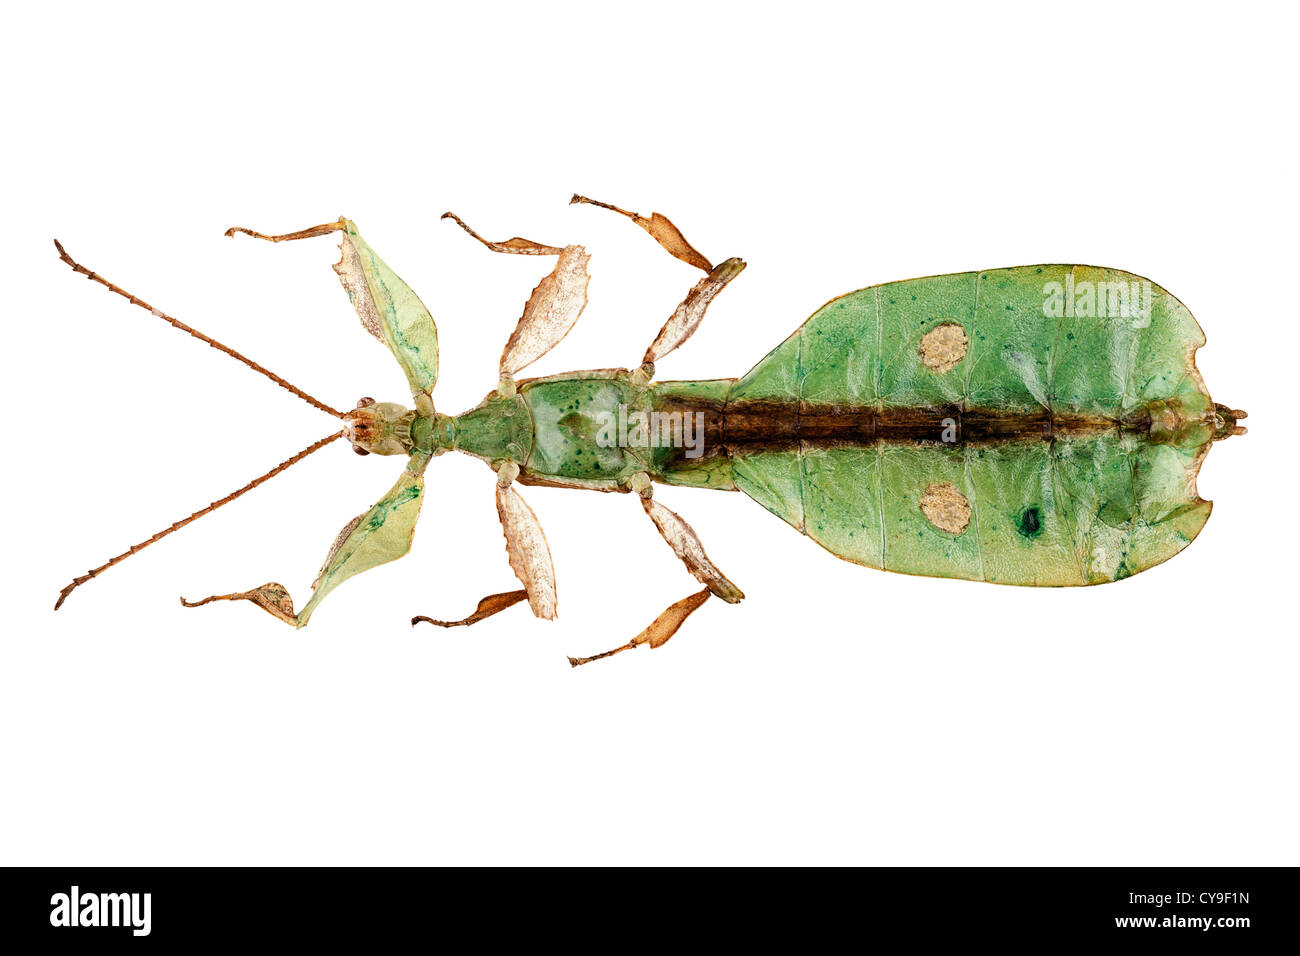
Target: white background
pixel 838 714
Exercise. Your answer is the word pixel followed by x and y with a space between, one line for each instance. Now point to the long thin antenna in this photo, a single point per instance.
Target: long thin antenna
pixel 77 267
pixel 63 595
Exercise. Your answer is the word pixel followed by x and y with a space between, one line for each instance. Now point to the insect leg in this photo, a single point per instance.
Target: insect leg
pixel 374 537
pixel 492 604
pixel 388 308
pixel 530 558
pixel 681 537
pixel 658 633
pixel 311 232
pixel 552 309
pixel 681 325
pixel 516 246
pixel 663 231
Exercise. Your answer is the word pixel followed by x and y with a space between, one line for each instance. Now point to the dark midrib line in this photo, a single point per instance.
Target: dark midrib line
pixel 753 426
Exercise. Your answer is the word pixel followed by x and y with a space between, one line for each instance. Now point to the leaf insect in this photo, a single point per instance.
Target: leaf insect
pixel 1037 425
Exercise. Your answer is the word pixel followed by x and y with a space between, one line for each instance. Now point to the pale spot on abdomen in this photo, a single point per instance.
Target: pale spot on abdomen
pixel 943 347
pixel 945 507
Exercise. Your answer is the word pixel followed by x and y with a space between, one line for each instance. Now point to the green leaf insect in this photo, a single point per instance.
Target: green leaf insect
pixel 1037 425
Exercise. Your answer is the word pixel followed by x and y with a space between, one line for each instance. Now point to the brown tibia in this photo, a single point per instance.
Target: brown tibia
pixel 658 633
pixel 272 598
pixel 663 231
pixel 311 232
pixel 515 246
pixel 492 604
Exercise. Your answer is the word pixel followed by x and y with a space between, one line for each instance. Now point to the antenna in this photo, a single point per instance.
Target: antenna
pixel 63 595
pixel 77 267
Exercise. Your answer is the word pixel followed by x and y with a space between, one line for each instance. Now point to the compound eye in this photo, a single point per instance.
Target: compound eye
pixel 359 450
pixel 365 402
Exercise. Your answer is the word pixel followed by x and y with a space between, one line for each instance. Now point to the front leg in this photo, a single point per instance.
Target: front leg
pixel 388 308
pixel 375 537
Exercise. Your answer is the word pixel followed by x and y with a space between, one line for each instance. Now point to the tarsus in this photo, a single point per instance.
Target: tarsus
pixel 63 595
pixel 77 267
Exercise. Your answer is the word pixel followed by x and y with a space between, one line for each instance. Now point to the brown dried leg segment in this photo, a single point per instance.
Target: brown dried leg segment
pixel 271 597
pixel 492 604
pixel 663 231
pixel 658 633
pixel 311 232
pixel 515 246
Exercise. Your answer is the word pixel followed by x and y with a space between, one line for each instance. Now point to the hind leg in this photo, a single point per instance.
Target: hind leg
pixel 681 537
pixel 681 325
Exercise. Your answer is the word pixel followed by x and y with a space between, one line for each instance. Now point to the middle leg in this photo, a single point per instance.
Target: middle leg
pixel 530 558
pixel 551 311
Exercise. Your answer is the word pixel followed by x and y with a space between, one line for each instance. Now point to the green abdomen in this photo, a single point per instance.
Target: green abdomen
pixel 995 426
